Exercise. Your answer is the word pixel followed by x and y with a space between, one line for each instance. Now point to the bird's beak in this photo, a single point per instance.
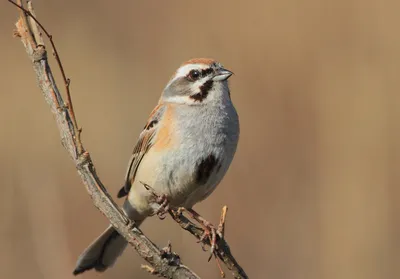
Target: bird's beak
pixel 222 74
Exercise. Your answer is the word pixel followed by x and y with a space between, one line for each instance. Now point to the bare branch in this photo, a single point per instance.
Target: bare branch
pixel 28 30
pixel 161 263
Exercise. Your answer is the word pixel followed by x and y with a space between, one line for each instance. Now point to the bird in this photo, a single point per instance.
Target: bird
pixel 183 152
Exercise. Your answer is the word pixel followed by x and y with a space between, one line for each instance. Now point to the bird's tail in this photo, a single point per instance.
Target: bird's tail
pixel 102 253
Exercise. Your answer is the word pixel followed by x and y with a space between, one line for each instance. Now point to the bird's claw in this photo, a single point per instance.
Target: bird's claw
pixel 163 209
pixel 210 234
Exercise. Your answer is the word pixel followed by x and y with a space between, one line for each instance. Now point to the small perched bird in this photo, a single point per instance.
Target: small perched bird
pixel 183 152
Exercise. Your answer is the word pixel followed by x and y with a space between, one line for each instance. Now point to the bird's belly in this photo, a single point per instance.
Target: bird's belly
pixel 186 175
pixel 190 174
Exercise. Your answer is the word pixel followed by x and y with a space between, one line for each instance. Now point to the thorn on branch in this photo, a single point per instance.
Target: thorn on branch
pixel 16 34
pixel 167 249
pixel 221 226
pixel 173 258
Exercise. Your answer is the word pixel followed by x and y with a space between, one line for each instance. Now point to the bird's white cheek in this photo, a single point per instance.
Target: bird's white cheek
pixel 179 99
pixel 195 87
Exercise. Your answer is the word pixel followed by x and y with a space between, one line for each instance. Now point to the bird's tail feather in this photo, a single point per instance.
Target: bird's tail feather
pixel 102 253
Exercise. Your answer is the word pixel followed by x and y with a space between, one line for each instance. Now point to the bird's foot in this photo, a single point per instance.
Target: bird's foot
pixel 163 209
pixel 161 200
pixel 210 232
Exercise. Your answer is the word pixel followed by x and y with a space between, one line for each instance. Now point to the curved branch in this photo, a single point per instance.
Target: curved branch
pixel 165 264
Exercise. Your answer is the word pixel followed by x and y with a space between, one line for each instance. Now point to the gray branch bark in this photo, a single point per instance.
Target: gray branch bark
pixel 164 264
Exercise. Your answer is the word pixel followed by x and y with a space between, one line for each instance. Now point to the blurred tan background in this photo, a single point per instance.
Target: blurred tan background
pixel 314 189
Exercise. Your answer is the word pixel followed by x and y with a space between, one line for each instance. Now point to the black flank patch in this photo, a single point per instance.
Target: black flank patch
pixel 204 90
pixel 205 168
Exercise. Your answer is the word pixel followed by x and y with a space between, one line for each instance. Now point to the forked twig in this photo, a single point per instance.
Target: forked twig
pixel 67 81
pixel 223 251
pixel 29 31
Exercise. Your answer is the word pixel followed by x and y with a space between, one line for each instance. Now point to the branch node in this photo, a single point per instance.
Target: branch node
pixel 16 34
pixel 63 108
pixel 83 159
pixel 39 53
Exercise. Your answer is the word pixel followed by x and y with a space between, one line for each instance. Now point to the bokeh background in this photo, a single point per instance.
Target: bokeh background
pixel 314 189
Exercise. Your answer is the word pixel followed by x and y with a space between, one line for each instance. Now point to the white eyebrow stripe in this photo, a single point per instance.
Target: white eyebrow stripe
pixel 184 70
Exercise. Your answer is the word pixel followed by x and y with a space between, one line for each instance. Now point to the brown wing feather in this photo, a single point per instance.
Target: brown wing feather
pixel 142 146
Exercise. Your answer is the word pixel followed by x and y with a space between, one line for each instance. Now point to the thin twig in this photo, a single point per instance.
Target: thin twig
pixel 221 226
pixel 66 80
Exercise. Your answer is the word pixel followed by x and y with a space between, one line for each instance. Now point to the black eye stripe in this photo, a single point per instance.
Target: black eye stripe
pixel 206 72
pixel 196 74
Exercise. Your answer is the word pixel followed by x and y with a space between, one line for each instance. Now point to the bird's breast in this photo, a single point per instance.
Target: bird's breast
pixel 200 147
pixel 206 143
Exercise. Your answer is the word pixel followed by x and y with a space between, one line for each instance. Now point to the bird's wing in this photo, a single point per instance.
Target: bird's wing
pixel 141 148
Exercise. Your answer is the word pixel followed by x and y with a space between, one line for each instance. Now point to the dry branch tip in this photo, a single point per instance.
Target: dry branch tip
pixel 149 269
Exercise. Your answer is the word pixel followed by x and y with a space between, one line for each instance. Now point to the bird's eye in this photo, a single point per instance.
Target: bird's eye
pixel 194 75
